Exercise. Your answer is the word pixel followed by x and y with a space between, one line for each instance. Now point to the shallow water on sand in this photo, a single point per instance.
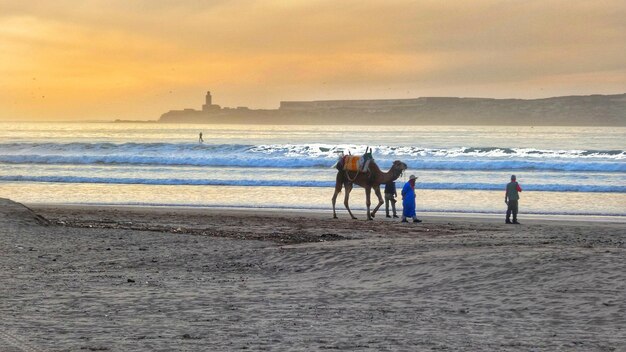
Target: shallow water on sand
pixel 317 199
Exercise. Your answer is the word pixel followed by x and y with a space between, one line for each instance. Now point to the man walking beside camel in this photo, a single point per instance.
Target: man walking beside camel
pixel 390 197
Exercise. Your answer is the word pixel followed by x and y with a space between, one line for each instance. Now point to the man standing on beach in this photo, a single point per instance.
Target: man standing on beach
pixel 511 198
pixel 390 197
pixel 408 200
pixel 200 140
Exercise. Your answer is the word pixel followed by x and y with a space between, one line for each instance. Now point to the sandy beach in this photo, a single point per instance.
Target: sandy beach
pixel 78 278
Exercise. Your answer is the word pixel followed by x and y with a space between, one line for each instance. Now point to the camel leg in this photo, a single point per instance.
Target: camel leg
pixel 348 189
pixel 338 185
pixel 380 200
pixel 334 201
pixel 368 192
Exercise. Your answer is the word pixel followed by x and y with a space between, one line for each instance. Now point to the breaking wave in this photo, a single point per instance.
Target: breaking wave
pixel 310 156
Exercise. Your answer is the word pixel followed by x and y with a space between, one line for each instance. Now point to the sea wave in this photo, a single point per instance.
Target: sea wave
pixel 310 156
pixel 309 183
pixel 306 150
pixel 287 163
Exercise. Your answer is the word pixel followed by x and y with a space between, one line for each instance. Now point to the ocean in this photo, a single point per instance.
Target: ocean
pixel 461 169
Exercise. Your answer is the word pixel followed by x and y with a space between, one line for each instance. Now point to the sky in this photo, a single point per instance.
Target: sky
pixel 119 59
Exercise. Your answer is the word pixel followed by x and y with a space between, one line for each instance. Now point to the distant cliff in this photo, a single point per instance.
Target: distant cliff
pixel 592 110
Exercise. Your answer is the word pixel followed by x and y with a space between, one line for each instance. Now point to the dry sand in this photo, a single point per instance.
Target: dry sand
pixel 154 279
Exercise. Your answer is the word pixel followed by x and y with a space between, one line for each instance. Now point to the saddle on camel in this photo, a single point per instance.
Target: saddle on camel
pixel 355 163
pixel 363 171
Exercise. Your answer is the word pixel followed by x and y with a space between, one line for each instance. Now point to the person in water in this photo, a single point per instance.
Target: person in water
pixel 200 140
pixel 390 197
pixel 408 200
pixel 511 198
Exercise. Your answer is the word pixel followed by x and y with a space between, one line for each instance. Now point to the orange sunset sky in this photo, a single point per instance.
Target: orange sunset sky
pixel 86 60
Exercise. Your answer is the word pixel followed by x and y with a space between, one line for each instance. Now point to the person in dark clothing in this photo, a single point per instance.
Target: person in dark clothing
pixel 511 199
pixel 390 197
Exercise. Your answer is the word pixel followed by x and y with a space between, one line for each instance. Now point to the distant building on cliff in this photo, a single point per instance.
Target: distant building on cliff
pixel 213 113
pixel 207 107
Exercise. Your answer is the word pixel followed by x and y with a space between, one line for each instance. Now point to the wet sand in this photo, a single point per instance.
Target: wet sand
pixel 163 279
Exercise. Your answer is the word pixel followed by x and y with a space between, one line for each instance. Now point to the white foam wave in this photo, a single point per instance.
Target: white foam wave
pixel 309 156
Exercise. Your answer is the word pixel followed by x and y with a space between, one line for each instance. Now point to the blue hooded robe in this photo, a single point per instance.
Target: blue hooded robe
pixel 408 203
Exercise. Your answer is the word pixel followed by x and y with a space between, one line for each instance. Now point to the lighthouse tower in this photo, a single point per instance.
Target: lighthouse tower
pixel 208 102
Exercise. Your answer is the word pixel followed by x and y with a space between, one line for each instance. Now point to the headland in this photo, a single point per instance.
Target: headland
pixel 590 110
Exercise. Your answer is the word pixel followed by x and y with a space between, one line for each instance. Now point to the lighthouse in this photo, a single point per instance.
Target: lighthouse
pixel 208 102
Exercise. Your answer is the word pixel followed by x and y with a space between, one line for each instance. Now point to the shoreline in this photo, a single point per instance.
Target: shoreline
pixel 341 212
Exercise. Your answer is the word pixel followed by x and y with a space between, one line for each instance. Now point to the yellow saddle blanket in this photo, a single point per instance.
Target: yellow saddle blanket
pixel 351 162
pixel 355 163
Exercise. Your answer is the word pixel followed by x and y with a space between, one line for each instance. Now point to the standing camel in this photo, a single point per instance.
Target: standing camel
pixel 368 180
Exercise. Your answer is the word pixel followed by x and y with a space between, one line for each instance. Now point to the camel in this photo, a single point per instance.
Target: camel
pixel 368 180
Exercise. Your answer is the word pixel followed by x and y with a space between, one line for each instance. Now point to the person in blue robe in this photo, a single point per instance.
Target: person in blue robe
pixel 408 200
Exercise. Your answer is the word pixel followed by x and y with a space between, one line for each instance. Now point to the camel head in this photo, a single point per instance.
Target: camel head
pixel 397 169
